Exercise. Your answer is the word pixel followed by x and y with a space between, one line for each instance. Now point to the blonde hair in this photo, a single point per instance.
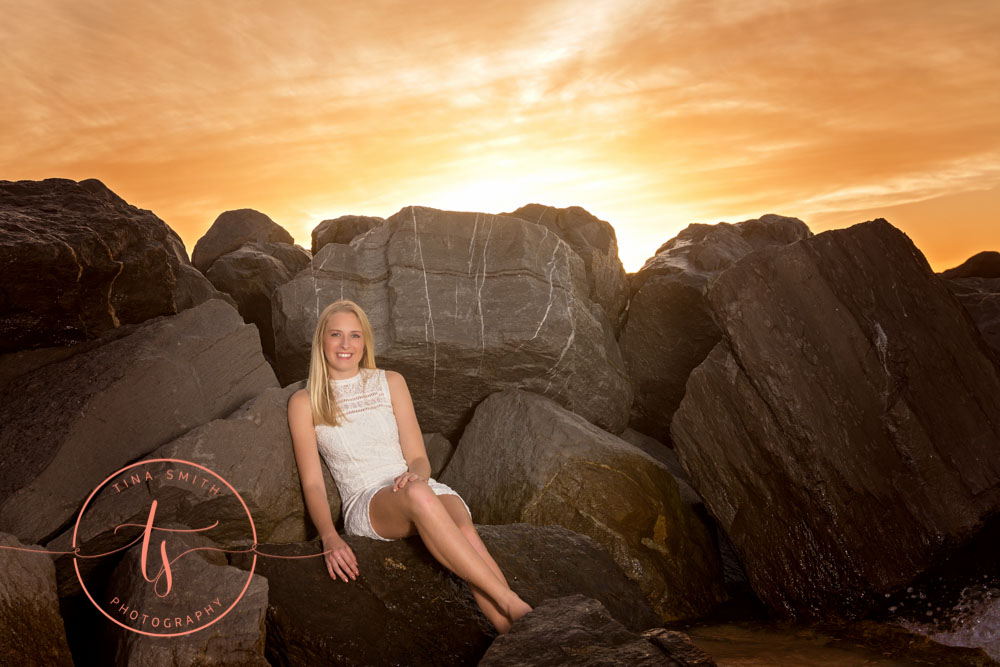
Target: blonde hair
pixel 324 404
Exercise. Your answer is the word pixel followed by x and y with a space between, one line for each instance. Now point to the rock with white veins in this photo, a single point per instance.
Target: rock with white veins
pixel 465 304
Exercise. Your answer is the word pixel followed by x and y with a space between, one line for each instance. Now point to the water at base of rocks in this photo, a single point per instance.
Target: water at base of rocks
pixel 746 644
pixel 973 622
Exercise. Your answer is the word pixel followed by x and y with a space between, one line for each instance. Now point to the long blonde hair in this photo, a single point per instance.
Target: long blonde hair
pixel 324 403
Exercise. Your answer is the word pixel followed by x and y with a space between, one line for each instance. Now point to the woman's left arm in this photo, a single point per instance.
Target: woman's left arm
pixel 411 440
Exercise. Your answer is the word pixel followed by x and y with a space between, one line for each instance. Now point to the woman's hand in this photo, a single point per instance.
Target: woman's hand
pixel 340 560
pixel 406 478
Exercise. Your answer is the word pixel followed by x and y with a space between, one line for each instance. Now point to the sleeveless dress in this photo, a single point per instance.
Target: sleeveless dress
pixel 363 452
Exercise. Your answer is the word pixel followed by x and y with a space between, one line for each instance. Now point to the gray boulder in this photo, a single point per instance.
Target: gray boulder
pixel 31 629
pixel 524 458
pixel 596 243
pixel 251 449
pixel 464 304
pixel 670 327
pixel 250 274
pixel 231 230
pixel 577 630
pixel 342 230
pixel 69 424
pixel 77 260
pixel 844 432
pixel 204 586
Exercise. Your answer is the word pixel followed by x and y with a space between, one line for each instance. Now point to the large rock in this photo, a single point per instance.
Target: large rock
pixel 31 629
pixel 981 298
pixel 69 424
pixel 465 304
pixel 845 430
pixel 984 264
pixel 577 630
pixel 524 458
pixel 231 230
pixel 405 608
pixel 251 273
pixel 202 582
pixel 976 283
pixel 77 260
pixel 670 327
pixel 251 449
pixel 342 230
pixel 594 240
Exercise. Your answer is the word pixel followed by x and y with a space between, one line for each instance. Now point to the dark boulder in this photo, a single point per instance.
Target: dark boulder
pixel 215 601
pixel 342 230
pixel 77 260
pixel 984 264
pixel 405 608
pixel 577 630
pixel 231 230
pixel 70 423
pixel 250 274
pixel 670 328
pixel 844 432
pixel 31 628
pixel 524 458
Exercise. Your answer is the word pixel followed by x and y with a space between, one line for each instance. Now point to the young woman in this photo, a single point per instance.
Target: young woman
pixel 361 420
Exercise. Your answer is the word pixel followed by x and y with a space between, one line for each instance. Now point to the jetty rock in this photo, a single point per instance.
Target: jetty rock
pixel 464 305
pixel 78 260
pixel 670 327
pixel 844 431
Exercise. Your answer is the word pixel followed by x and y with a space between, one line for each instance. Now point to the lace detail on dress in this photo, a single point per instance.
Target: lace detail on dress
pixel 361 393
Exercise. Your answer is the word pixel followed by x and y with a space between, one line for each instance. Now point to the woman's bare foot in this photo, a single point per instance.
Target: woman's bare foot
pixel 515 607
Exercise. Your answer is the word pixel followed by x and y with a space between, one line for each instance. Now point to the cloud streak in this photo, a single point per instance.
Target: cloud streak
pixel 651 114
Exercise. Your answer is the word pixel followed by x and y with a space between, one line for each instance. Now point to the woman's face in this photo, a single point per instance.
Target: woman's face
pixel 343 345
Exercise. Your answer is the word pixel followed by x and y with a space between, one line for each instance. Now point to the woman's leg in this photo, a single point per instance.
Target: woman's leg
pixel 394 515
pixel 462 519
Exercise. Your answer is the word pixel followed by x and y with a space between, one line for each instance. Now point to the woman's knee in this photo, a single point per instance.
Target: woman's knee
pixel 419 497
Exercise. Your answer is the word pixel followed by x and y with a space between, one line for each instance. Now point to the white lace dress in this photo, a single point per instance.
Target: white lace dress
pixel 363 453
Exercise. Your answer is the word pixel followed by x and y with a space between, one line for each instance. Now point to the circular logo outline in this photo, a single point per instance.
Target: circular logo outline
pixel 76 560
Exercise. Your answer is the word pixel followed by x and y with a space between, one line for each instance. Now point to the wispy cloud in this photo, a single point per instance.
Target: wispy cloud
pixel 652 114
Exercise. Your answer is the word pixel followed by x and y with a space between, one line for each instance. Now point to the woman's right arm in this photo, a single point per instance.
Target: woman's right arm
pixel 339 557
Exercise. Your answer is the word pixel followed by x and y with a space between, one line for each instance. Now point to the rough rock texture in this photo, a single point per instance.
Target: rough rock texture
pixel 251 449
pixel 405 608
pixel 976 283
pixel 69 424
pixel 77 260
pixel 465 304
pixel 439 452
pixel 670 327
pixel 231 230
pixel 594 240
pixel 981 298
pixel 31 629
pixel 250 274
pixel 524 458
pixel 577 630
pixel 846 429
pixel 342 230
pixel 985 264
pixel 202 582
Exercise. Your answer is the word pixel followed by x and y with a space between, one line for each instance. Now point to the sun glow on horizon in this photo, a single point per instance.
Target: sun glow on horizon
pixel 649 115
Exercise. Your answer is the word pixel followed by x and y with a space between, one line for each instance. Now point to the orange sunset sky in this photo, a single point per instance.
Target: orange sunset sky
pixel 650 114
